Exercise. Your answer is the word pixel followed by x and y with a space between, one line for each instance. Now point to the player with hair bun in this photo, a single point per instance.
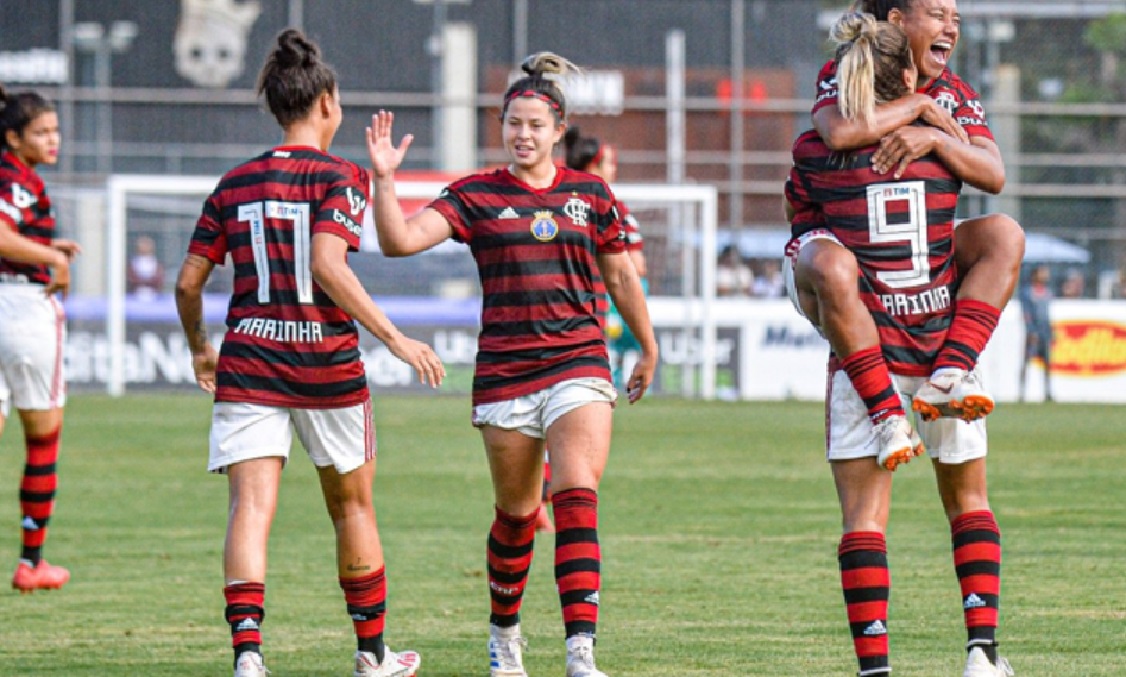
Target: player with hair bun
pixel 541 236
pixel 34 265
pixel 835 198
pixel 290 357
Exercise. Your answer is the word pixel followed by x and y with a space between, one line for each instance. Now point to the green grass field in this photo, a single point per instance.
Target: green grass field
pixel 719 532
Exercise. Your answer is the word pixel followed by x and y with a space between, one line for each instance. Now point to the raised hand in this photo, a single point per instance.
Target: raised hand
pixel 385 157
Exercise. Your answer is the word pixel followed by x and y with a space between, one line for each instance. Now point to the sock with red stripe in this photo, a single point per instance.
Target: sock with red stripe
pixel 976 541
pixel 37 493
pixel 866 581
pixel 366 598
pixel 869 374
pixel 970 330
pixel 578 559
pixel 511 540
pixel 245 612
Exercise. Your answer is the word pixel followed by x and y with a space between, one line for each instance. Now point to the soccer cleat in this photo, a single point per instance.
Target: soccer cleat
pixel 898 442
pixel 403 664
pixel 506 652
pixel 580 657
pixel 249 664
pixel 953 394
pixel 978 665
pixel 44 576
pixel 543 521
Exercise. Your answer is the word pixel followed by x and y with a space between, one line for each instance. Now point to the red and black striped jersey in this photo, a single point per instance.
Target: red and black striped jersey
pixel 635 241
pixel 536 252
pixel 949 90
pixel 287 343
pixel 901 232
pixel 26 209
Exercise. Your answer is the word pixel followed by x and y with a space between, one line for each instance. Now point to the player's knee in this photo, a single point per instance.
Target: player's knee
pixel 830 268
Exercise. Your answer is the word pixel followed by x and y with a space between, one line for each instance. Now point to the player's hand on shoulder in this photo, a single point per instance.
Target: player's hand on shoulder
pixel 422 357
pixel 938 117
pixel 903 146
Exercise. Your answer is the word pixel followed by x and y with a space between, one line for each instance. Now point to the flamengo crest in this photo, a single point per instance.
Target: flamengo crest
pixel 577 210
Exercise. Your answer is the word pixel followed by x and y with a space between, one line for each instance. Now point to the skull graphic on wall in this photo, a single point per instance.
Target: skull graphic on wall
pixel 210 40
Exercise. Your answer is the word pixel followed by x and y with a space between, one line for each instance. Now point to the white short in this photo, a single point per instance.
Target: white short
pixel 32 336
pixel 850 432
pixel 343 438
pixel 533 414
pixel 792 248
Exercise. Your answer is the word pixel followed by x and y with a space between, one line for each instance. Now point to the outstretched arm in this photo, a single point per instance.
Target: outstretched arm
pixel 624 286
pixel 841 134
pixel 398 236
pixel 331 271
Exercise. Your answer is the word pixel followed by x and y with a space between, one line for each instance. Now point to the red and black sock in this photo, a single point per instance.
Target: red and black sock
pixel 976 542
pixel 970 330
pixel 869 374
pixel 866 581
pixel 546 495
pixel 578 559
pixel 366 598
pixel 37 493
pixel 245 612
pixel 511 540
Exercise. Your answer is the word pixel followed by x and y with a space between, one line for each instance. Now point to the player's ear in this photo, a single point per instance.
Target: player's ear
pixel 325 103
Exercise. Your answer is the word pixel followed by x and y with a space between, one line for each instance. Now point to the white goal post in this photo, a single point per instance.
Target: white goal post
pixel 679 223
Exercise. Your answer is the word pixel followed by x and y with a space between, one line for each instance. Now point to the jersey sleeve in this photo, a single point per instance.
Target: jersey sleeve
pixel 827 92
pixel 609 232
pixel 451 204
pixel 341 213
pixel 209 240
pixel 635 241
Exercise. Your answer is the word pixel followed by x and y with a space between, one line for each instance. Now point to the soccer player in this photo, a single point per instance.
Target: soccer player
pixel 989 248
pixel 290 356
pixel 541 236
pixel 1035 302
pixel 906 283
pixel 34 265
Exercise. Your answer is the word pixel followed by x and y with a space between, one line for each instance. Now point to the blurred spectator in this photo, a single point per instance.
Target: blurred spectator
pixel 768 283
pixel 145 275
pixel 1074 286
pixel 733 277
pixel 1035 302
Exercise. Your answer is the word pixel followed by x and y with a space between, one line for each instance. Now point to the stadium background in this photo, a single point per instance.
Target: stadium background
pixel 166 89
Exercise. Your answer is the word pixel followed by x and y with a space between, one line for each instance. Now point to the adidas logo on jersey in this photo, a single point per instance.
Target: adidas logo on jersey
pixel 508 213
pixel 973 602
pixel 876 628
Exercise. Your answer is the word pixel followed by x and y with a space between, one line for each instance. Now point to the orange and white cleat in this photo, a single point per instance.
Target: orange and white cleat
pixel 898 442
pixel 43 576
pixel 953 394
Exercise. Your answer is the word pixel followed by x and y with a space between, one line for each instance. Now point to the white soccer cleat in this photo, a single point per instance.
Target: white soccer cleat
pixel 249 664
pixel 898 442
pixel 953 394
pixel 978 665
pixel 506 652
pixel 402 664
pixel 580 657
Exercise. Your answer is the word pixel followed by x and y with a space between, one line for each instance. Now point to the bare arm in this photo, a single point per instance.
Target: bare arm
pixel 977 162
pixel 398 236
pixel 331 271
pixel 841 134
pixel 624 286
pixel 189 304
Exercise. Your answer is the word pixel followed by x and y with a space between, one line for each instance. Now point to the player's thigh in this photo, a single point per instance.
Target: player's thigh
pixel 580 419
pixel 343 438
pixel 32 337
pixel 242 431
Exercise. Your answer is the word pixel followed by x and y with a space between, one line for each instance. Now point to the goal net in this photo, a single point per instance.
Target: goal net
pixel 135 341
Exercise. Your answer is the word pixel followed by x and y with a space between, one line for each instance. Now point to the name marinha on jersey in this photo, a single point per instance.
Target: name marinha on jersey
pixel 303 331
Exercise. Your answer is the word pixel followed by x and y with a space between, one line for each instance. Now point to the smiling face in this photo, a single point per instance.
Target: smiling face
pixel 932 26
pixel 530 132
pixel 38 143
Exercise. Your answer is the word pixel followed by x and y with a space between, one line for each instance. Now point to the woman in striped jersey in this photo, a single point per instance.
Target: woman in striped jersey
pixel 541 236
pixel 290 357
pixel 34 265
pixel 839 199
